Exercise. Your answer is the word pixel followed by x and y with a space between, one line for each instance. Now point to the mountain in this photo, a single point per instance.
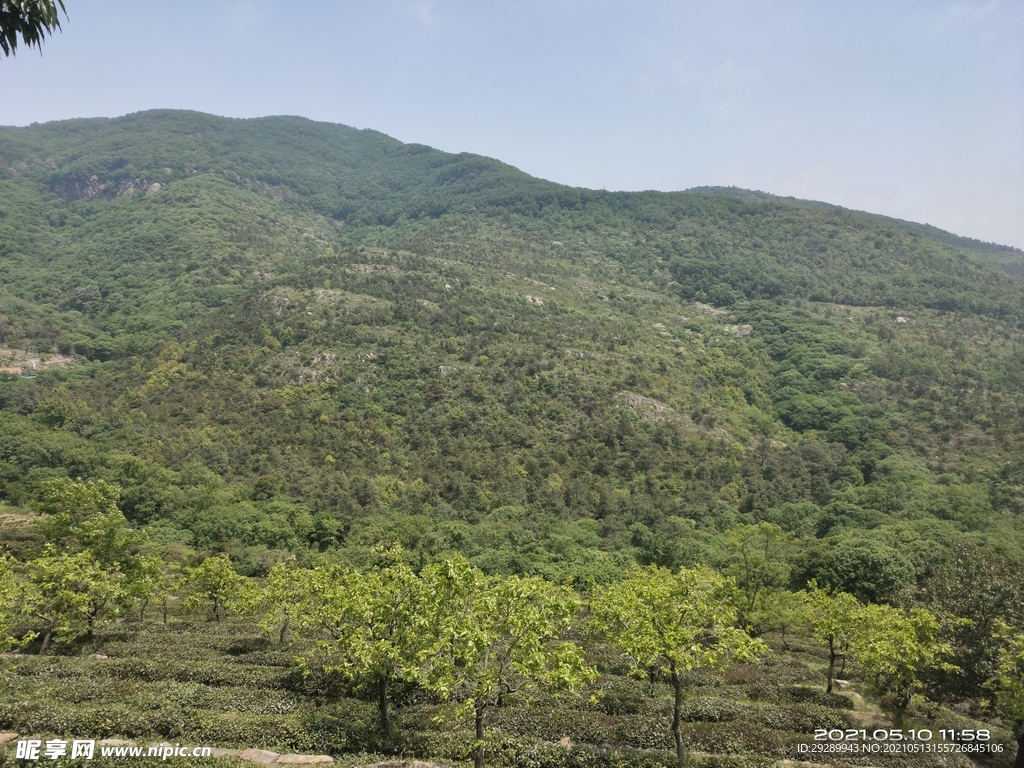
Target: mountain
pixel 1010 259
pixel 280 338
pixel 276 333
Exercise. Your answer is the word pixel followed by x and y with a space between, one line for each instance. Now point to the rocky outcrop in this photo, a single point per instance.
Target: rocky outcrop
pixel 78 189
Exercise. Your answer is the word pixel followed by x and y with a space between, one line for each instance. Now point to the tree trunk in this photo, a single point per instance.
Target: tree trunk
pixel 216 610
pixel 677 716
pixel 46 641
pixel 284 629
pixel 1019 762
pixel 901 710
pixel 831 664
pixel 382 704
pixel 478 757
pixel 165 610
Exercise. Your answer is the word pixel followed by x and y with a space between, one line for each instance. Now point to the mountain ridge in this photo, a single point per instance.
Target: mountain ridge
pixel 192 119
pixel 260 295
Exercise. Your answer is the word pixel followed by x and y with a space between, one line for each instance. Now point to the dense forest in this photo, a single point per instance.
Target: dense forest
pixel 276 355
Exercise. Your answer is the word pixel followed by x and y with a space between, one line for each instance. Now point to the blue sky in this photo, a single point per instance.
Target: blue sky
pixel 909 109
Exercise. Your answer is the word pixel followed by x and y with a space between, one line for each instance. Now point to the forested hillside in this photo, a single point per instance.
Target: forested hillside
pixel 284 338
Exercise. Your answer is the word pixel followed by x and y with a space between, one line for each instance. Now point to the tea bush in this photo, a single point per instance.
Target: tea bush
pixel 798 693
pixel 552 724
pixel 224 685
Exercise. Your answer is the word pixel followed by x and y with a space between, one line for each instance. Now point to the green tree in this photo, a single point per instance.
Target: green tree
pixel 895 649
pixel 83 516
pixel 675 623
pixel 11 602
pixel 1009 684
pixel 370 618
pixel 833 619
pixel 782 612
pixel 71 595
pixel 216 583
pixel 758 564
pixel 284 598
pixel 968 583
pixel 72 501
pixel 496 638
pixel 31 20
pixel 859 563
pixel 146 581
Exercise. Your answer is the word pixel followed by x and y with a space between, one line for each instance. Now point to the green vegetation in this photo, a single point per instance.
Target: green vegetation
pixel 674 623
pixel 28 21
pixel 1010 684
pixel 244 359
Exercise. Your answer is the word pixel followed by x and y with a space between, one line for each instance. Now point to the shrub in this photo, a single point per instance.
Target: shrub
pixel 816 696
pixel 734 738
pixel 802 718
pixel 552 724
pixel 642 732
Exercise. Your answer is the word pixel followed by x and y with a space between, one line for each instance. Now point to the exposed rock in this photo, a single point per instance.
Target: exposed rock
pixel 156 186
pixel 902 320
pixel 707 309
pixel 77 190
pixel 304 760
pixel 6 737
pixel 645 403
pixel 372 268
pixel 260 756
pixel 21 361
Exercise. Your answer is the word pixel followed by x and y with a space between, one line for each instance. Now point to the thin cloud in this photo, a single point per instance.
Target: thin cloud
pixel 729 76
pixel 425 13
pixel 966 14
pixel 808 176
pixel 247 13
pixel 725 85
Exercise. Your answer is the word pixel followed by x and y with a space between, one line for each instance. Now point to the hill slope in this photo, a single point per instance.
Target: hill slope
pixel 283 337
pixel 372 328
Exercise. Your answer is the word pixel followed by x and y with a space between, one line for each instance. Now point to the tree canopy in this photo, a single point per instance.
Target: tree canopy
pixel 28 21
pixel 673 622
